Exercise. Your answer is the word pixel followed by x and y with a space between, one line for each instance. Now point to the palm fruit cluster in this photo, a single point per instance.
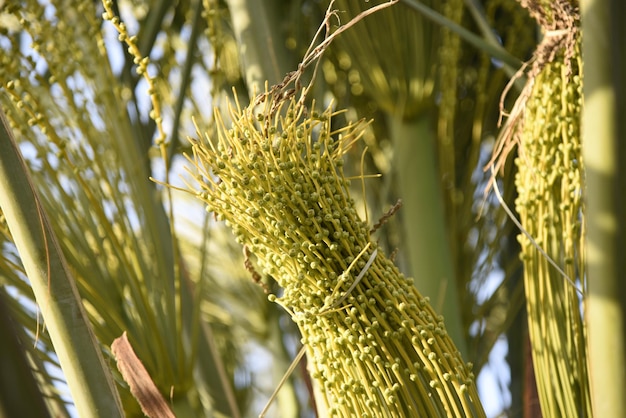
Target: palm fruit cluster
pixel 549 183
pixel 375 346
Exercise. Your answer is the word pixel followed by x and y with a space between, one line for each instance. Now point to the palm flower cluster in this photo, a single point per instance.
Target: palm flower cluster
pixel 375 345
pixel 549 182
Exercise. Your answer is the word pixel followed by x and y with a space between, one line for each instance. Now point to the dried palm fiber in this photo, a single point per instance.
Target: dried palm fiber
pixel 375 345
pixel 545 125
pixel 392 59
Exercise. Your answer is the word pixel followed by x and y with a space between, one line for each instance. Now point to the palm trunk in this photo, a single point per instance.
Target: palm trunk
pixel 262 53
pixel 605 157
pixel 424 219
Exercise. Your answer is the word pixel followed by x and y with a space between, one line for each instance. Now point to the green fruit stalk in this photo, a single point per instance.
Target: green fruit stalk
pixel 376 348
pixel 549 182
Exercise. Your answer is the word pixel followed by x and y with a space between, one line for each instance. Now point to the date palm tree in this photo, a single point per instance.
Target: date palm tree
pixel 132 130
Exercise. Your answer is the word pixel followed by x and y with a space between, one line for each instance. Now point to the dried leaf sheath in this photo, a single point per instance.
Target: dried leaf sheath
pixel 276 179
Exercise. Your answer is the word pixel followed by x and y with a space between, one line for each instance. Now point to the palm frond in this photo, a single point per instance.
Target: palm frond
pixel 87 162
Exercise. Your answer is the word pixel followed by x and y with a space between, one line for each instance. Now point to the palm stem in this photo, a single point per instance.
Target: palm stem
pixel 262 56
pixel 605 301
pixel 423 215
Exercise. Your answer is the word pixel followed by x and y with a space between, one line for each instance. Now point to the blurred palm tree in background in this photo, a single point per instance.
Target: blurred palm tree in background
pixel 95 121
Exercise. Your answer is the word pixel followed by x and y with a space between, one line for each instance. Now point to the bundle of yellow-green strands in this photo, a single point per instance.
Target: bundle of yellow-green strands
pixel 375 346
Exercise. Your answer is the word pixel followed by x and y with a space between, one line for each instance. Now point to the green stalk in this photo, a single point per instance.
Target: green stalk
pixel 88 376
pixel 423 217
pixel 604 302
pixel 262 54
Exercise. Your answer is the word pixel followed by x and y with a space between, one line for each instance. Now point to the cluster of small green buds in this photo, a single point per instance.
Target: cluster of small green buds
pixel 375 346
pixel 549 182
